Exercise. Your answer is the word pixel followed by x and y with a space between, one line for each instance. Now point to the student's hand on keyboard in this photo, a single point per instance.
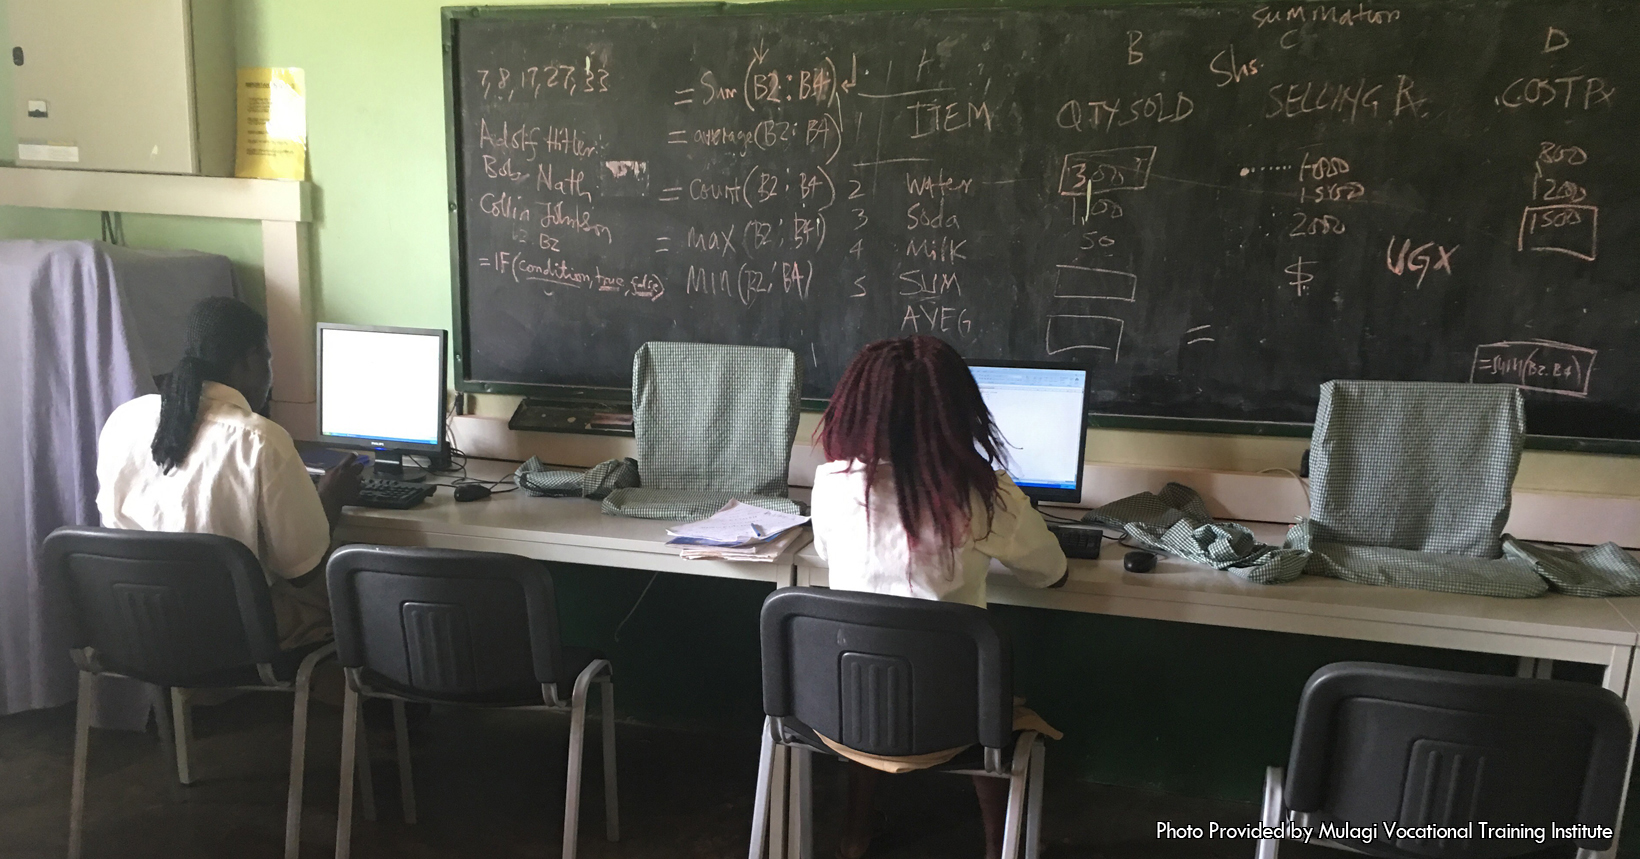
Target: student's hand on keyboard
pixel 339 486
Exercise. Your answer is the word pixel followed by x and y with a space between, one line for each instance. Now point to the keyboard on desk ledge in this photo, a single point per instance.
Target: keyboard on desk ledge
pixel 1078 540
pixel 391 494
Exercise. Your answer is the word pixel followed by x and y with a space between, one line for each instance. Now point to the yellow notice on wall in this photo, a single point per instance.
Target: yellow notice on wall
pixel 272 124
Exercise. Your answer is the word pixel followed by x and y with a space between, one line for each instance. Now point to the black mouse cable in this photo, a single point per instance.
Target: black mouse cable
pixel 473 481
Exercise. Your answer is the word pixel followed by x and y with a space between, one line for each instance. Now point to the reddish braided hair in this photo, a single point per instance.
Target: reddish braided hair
pixel 913 403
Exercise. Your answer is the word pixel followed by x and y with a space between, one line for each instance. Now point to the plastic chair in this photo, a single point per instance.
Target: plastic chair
pixel 895 676
pixel 444 626
pixel 1435 749
pixel 179 612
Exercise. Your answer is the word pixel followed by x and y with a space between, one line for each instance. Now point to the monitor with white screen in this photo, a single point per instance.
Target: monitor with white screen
pixel 382 388
pixel 1040 409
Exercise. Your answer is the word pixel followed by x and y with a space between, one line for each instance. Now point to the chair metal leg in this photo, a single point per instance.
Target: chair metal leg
pixel 1012 825
pixel 82 749
pixel 577 750
pixel 779 794
pixel 349 763
pixel 298 751
pixel 800 818
pixel 407 783
pixel 160 702
pixel 367 780
pixel 1272 812
pixel 183 715
pixel 760 800
pixel 612 809
pixel 1033 801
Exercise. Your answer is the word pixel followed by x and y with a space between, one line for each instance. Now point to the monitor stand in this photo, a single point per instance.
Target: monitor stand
pixel 390 464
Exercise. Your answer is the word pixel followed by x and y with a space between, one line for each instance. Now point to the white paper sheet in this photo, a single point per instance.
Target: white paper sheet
pixel 739 524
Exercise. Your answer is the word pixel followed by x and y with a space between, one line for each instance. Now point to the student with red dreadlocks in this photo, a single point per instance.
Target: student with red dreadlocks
pixel 910 503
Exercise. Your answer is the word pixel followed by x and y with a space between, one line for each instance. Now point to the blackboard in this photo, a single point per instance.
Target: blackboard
pixel 1215 207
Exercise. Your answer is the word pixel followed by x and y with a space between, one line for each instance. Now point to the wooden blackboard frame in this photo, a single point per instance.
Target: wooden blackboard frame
pixel 451 16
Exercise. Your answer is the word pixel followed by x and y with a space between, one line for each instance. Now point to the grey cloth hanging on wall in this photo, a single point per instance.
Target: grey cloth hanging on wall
pixel 712 423
pixel 82 327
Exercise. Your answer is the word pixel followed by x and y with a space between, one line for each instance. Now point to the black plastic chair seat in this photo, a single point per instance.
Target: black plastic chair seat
pixel 576 659
pixel 175 611
pixel 1446 749
pixel 891 676
pixel 285 664
pixel 458 628
pixel 971 758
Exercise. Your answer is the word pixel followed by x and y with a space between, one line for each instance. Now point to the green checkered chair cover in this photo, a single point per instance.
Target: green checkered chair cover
pixel 1597 571
pixel 1427 571
pixel 1422 466
pixel 712 423
pixel 1410 487
pixel 1176 521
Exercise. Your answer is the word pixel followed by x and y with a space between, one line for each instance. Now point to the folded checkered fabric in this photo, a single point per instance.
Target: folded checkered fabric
pixel 1176 521
pixel 1598 571
pixel 1225 546
pixel 691 505
pixel 716 421
pixel 1421 466
pixel 1176 501
pixel 536 478
pixel 1403 568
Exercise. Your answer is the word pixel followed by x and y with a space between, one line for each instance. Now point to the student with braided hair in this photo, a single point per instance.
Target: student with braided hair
pixel 198 458
pixel 910 503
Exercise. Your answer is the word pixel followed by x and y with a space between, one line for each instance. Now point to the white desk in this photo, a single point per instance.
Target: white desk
pixel 1549 627
pixel 570 530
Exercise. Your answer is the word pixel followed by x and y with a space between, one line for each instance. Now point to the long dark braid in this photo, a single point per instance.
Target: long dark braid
pixel 913 402
pixel 221 331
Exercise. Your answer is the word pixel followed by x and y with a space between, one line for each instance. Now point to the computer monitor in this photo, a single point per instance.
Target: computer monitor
pixel 1041 411
pixel 383 388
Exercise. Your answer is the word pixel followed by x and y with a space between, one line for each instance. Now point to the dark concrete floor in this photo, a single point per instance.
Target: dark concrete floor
pixel 490 784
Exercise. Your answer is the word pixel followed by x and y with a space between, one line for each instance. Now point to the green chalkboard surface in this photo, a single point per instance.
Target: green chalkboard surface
pixel 1215 207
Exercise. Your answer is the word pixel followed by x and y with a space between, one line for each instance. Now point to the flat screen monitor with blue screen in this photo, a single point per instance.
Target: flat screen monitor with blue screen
pixel 1041 411
pixel 382 388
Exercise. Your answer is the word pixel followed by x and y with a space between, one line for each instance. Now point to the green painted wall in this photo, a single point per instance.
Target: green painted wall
pixel 1175 707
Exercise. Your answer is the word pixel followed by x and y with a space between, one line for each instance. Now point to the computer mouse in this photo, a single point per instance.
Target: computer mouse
pixel 472 492
pixel 1138 562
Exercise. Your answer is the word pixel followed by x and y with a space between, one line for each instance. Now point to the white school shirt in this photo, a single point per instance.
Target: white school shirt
pixel 875 556
pixel 242 478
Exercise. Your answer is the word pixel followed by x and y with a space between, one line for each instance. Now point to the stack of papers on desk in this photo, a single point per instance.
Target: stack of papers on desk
pixel 738 532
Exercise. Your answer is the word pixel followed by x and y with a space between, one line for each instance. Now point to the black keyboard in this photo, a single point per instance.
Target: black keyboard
pixel 1078 541
pixel 391 494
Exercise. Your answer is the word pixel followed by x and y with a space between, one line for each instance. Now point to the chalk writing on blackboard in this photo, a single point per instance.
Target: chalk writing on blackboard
pixel 1536 365
pixel 1191 199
